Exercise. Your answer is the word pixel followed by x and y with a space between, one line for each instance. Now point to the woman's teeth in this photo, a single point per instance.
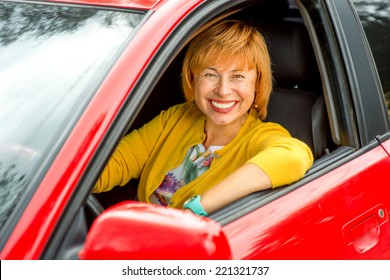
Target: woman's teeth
pixel 223 105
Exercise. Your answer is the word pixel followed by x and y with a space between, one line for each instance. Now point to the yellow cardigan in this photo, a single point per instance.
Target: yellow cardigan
pixel 150 152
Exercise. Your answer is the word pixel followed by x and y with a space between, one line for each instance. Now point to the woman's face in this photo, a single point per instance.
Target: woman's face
pixel 225 93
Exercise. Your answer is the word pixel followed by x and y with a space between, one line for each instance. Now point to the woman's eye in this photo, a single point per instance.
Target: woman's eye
pixel 209 75
pixel 238 76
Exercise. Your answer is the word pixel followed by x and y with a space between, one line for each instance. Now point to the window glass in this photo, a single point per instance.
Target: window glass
pixel 375 18
pixel 52 59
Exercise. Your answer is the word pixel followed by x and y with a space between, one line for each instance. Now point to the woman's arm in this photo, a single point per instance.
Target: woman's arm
pixel 282 161
pixel 247 179
pixel 132 153
pixel 125 163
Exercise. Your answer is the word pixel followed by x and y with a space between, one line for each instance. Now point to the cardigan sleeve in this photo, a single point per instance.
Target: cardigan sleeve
pixel 283 158
pixel 131 154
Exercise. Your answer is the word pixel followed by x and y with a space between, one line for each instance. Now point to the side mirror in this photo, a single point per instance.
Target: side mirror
pixel 134 230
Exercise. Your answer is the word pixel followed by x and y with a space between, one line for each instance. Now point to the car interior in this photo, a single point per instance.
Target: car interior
pixel 297 101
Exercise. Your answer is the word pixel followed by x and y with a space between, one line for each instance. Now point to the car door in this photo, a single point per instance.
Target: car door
pixel 342 213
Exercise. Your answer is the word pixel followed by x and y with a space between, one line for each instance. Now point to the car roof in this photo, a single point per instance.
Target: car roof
pixel 134 4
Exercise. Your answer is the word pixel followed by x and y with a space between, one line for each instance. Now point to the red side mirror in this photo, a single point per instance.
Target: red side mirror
pixel 132 230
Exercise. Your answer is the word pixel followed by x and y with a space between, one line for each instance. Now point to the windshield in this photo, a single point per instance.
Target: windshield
pixel 52 60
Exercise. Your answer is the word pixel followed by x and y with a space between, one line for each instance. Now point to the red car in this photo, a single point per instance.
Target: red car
pixel 77 75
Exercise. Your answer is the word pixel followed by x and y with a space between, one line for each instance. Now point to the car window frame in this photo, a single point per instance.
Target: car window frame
pixel 355 51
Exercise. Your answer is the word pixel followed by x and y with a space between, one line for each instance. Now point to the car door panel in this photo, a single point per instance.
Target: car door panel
pixel 341 215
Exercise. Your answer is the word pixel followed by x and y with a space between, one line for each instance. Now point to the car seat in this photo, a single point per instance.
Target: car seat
pixel 297 102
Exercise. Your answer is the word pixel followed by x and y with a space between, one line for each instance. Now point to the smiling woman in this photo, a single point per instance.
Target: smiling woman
pixel 50 67
pixel 216 138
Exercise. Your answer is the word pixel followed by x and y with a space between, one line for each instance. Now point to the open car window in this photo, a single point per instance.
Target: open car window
pixel 297 92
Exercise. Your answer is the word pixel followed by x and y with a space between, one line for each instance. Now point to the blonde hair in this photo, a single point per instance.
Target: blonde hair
pixel 228 41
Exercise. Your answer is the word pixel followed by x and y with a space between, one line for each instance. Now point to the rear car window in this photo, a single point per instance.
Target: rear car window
pixel 375 18
pixel 52 60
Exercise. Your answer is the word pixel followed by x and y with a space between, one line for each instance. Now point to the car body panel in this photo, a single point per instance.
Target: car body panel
pixel 309 222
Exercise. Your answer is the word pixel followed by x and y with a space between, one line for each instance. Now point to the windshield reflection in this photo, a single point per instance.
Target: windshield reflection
pixel 52 60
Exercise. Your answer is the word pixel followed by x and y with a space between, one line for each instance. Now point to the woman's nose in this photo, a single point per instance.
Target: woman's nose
pixel 224 86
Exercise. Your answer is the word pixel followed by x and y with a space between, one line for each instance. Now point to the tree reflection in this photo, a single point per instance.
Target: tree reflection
pixel 10 175
pixel 37 20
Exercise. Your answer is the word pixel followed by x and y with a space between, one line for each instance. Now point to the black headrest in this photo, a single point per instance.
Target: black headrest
pixel 293 61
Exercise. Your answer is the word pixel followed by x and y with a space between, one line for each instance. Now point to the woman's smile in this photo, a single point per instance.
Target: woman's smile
pixel 222 106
